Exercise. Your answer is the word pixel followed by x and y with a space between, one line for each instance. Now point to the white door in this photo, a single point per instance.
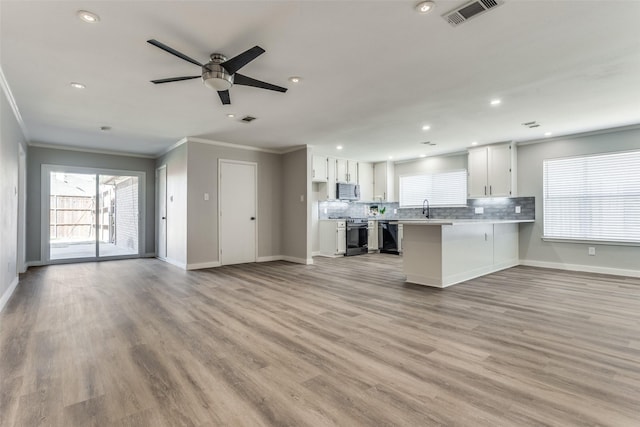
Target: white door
pixel 161 179
pixel 237 210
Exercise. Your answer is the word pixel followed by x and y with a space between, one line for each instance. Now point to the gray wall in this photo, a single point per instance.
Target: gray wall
pixel 536 251
pixel 176 163
pixel 296 211
pixel 10 137
pixel 39 156
pixel 202 216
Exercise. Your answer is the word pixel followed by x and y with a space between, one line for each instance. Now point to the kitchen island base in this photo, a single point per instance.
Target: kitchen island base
pixel 442 255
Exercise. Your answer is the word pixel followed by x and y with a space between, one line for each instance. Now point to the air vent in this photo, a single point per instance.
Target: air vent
pixel 247 119
pixel 531 125
pixel 470 10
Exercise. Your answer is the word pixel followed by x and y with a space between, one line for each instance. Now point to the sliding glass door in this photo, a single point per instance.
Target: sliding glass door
pixel 91 214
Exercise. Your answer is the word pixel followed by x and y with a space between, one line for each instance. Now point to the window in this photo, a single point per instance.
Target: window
pixel 593 198
pixel 441 189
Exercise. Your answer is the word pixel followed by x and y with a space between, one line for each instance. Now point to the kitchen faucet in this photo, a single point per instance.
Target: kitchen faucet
pixel 426 211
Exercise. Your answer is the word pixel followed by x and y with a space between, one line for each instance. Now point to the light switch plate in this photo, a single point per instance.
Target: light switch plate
pixel 206 196
pixel 479 210
pixel 517 209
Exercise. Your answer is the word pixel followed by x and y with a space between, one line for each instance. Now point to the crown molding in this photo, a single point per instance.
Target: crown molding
pixel 580 134
pixel 89 150
pixel 12 102
pixel 230 145
pixel 171 148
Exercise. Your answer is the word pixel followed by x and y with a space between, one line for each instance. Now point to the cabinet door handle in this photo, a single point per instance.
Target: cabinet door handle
pixel 490 190
pixel 485 190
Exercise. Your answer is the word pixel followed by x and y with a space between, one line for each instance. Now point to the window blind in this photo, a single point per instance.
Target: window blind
pixel 441 189
pixel 593 197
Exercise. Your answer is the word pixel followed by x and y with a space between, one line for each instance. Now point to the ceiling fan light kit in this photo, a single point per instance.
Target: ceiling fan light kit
pixel 220 73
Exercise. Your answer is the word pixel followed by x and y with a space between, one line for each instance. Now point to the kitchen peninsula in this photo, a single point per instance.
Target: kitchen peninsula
pixel 443 252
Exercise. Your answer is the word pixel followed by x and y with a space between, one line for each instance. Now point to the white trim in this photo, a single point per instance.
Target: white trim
pixel 89 150
pixel 22 210
pixel 171 148
pixel 35 263
pixel 588 242
pixel 316 253
pixel 149 255
pixel 12 103
pixel 270 258
pixel 292 149
pixel 7 294
pixel 581 268
pixel 230 145
pixel 200 265
pixel 182 265
pixel 306 261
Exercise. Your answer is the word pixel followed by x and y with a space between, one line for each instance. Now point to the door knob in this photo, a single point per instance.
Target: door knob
pixel 253 218
pixel 164 217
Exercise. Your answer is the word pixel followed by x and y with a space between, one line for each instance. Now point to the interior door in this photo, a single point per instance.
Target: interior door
pixel 161 175
pixel 237 210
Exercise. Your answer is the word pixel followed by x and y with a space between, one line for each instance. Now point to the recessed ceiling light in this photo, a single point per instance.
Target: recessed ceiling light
pixel 77 85
pixel 495 102
pixel 231 116
pixel 425 6
pixel 548 134
pixel 295 79
pixel 426 127
pixel 423 155
pixel 339 147
pixel 474 143
pixel 87 16
pixel 390 157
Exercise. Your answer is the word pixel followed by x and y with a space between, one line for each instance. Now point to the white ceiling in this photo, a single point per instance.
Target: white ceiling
pixel 374 72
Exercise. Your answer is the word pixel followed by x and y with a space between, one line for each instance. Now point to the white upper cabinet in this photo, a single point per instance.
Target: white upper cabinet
pixel 383 175
pixel 346 171
pixel 492 171
pixel 365 181
pixel 320 169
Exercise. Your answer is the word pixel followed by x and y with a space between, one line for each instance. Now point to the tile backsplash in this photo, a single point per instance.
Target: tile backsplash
pixel 493 208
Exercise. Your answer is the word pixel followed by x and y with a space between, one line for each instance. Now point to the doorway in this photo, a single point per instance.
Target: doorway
pixel 91 214
pixel 238 222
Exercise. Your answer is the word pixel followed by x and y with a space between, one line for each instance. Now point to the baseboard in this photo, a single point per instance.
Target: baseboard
pixel 269 258
pixel 200 265
pixel 34 264
pixel 149 255
pixel 316 253
pixel 7 294
pixel 306 261
pixel 182 265
pixel 581 268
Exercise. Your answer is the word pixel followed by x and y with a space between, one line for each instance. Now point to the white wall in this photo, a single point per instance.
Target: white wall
pixel 533 250
pixel 10 137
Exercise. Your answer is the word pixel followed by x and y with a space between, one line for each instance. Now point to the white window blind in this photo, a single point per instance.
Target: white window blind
pixel 441 189
pixel 593 198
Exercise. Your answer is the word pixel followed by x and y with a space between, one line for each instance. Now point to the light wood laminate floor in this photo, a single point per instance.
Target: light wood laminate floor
pixel 342 342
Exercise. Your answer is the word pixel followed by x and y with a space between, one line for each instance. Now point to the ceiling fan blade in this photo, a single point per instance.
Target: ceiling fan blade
pixel 224 97
pixel 174 79
pixel 234 64
pixel 243 80
pixel 172 51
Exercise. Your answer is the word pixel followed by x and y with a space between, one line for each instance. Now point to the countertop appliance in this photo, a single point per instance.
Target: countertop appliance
pixel 388 237
pixel 357 236
pixel 347 191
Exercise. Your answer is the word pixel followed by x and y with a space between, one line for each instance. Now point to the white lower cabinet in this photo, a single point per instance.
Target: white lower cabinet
pixel 372 230
pixel 333 237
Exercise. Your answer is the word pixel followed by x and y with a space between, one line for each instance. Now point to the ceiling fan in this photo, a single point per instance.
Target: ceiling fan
pixel 220 73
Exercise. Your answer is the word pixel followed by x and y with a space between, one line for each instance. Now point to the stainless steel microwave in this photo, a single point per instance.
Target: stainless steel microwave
pixel 347 191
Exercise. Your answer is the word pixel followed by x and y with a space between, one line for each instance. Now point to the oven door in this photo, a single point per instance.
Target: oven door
pixel 357 239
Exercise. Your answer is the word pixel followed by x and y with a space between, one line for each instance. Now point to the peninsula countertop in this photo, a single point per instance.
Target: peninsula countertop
pixel 436 221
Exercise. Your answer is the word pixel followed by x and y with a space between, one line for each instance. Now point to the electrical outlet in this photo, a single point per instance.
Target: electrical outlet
pixel 206 196
pixel 592 251
pixel 517 209
pixel 302 197
pixel 325 210
pixel 479 210
pixel 395 211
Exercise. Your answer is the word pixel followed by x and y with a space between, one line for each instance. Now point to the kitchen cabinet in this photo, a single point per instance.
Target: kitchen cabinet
pixel 400 236
pixel 365 181
pixel 492 171
pixel 320 169
pixel 372 229
pixel 333 237
pixel 383 185
pixel 346 171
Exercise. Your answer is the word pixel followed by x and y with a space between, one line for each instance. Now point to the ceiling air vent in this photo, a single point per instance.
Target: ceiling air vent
pixel 247 119
pixel 470 10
